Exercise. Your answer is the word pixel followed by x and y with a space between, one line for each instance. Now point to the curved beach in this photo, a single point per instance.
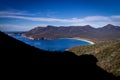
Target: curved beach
pixel 76 38
pixel 83 40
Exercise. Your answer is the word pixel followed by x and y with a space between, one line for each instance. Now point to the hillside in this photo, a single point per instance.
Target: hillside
pixel 107 53
pixel 18 57
pixel 106 49
pixel 95 34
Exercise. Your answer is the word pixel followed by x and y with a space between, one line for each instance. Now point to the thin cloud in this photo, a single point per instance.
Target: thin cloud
pixel 12 27
pixel 94 20
pixel 10 13
pixel 73 20
pixel 14 12
pixel 97 18
pixel 116 17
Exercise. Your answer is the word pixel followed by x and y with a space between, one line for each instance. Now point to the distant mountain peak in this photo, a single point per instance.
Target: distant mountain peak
pixel 88 25
pixel 109 25
pixel 48 26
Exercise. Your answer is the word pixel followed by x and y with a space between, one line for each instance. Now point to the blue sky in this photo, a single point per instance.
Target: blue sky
pixel 21 15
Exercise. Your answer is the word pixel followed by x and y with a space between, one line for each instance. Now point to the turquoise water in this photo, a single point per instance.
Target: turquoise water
pixel 52 45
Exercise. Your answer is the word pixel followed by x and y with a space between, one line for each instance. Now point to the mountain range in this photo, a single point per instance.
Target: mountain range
pixel 108 32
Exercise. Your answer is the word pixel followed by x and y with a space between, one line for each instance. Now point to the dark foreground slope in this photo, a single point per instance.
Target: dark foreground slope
pixel 18 57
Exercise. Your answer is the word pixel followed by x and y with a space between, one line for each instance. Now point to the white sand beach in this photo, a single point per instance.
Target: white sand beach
pixel 83 40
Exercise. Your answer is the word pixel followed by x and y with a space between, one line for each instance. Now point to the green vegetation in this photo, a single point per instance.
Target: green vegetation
pixel 107 53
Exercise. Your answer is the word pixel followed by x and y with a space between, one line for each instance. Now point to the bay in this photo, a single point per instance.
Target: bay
pixel 52 45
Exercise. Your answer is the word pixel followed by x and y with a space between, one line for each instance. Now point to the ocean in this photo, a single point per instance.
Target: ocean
pixel 52 45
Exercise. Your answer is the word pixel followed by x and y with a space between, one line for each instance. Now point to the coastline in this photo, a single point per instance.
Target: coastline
pixel 76 38
pixel 91 42
pixel 82 39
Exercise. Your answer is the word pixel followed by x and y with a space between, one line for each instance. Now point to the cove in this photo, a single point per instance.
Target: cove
pixel 53 45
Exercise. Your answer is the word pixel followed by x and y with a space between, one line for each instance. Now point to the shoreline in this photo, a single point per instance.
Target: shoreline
pixel 91 42
pixel 76 38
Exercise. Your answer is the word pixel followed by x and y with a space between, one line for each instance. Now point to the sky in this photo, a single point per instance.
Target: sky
pixel 22 15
